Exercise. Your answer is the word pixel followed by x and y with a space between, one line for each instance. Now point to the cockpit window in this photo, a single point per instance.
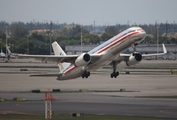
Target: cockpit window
pixel 139 29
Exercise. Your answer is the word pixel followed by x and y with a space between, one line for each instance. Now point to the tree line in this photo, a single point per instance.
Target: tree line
pixel 24 37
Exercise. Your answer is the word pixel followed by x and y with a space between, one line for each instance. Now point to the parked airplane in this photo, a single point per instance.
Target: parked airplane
pixel 2 55
pixel 108 53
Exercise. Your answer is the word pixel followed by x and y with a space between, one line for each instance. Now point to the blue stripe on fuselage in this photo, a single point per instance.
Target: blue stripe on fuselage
pixel 110 41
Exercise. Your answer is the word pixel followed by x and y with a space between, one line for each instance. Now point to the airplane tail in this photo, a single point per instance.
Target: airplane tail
pixel 59 51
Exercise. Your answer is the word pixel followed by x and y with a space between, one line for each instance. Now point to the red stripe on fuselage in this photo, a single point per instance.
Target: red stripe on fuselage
pixel 116 42
pixel 70 70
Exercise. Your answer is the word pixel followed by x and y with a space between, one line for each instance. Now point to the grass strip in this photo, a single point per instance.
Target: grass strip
pixel 167 97
pixel 70 117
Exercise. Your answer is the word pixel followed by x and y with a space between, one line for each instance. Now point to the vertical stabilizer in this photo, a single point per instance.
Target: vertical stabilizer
pixel 59 51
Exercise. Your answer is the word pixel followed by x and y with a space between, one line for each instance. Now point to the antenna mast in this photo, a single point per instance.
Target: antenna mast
pixel 81 38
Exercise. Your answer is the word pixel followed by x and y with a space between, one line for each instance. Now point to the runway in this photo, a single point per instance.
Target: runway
pixel 19 84
pixel 142 85
pixel 90 103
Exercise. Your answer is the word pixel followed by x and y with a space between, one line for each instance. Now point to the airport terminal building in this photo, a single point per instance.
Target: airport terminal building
pixel 143 48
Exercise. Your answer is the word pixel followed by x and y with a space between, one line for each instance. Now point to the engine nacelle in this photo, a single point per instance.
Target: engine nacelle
pixel 135 58
pixel 83 59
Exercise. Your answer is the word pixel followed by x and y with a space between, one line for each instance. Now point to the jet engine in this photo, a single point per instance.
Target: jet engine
pixel 83 59
pixel 135 58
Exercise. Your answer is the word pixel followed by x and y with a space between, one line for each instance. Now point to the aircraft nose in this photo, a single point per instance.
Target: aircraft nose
pixel 142 34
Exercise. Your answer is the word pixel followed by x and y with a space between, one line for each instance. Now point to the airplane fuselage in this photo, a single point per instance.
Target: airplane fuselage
pixel 109 51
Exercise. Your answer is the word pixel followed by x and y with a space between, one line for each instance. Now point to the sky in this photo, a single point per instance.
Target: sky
pixel 103 12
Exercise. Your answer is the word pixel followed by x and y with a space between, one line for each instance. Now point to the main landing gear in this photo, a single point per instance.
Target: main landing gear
pixel 86 74
pixel 114 73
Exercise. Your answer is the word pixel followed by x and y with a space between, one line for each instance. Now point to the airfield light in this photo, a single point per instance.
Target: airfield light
pixel 48 105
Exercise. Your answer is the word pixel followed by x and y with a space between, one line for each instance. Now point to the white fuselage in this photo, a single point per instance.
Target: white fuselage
pixel 109 51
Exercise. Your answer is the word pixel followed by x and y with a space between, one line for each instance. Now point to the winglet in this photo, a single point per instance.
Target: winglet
pixel 9 52
pixel 164 49
pixel 8 49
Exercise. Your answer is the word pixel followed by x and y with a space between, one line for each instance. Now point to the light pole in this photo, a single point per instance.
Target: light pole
pixel 6 41
pixel 81 38
pixel 157 40
pixel 50 36
pixel 27 45
pixel 50 43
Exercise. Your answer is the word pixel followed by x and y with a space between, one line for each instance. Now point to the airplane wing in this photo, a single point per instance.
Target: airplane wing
pixel 55 58
pixel 164 52
pixel 125 57
pixel 146 55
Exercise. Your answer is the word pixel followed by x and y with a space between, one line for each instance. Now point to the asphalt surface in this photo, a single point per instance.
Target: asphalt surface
pixel 89 103
pixel 16 83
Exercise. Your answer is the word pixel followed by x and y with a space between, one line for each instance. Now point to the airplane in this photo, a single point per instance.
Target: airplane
pixel 107 53
pixel 2 55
